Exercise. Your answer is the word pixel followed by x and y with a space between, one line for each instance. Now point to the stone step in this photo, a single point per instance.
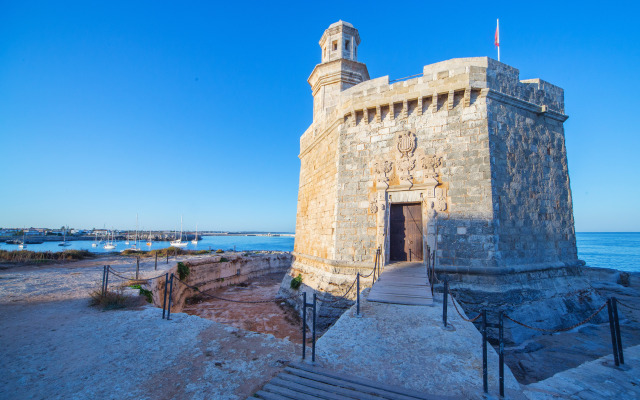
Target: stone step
pixel 306 382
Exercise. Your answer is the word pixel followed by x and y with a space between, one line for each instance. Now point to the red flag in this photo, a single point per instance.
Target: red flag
pixel 497 42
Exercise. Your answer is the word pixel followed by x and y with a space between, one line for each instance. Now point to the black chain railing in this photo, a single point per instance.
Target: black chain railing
pixel 375 271
pixel 627 306
pixel 211 296
pixel 108 271
pixel 614 327
pixel 136 278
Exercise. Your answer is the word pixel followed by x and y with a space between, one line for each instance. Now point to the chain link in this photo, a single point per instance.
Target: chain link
pixel 561 329
pixel 454 301
pixel 113 271
pixel 277 299
pixel 626 305
pixel 339 298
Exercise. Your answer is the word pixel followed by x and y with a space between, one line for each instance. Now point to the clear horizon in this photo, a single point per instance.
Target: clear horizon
pixel 166 109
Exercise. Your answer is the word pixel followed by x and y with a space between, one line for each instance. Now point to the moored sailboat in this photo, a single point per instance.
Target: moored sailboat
pixel 110 245
pixel 64 240
pixel 195 240
pixel 23 245
pixel 179 242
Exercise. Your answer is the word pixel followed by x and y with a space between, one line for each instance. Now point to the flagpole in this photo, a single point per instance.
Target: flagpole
pixel 498 37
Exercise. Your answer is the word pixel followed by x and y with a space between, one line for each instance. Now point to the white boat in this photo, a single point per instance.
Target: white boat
pixel 110 244
pixel 195 240
pixel 95 243
pixel 149 242
pixel 135 238
pixel 64 240
pixel 179 242
pixel 23 245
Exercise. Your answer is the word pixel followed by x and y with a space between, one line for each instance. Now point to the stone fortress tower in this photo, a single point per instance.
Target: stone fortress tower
pixel 465 159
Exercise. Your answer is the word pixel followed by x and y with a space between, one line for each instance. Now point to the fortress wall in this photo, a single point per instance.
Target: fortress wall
pixel 458 133
pixel 482 151
pixel 446 109
pixel 315 227
pixel 531 187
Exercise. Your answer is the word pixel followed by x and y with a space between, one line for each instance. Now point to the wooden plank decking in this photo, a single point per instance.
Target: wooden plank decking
pixel 305 382
pixel 403 283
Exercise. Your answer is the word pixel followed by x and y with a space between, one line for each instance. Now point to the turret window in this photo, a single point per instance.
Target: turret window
pixel 335 45
pixel 346 45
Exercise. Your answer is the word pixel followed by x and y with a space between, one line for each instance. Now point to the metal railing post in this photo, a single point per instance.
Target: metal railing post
pixel 614 306
pixel 166 285
pixel 156 267
pixel 612 328
pixel 485 380
pixel 104 275
pixel 304 324
pixel 170 298
pixel 358 294
pixel 137 267
pixel 167 256
pixel 313 349
pixel 445 300
pixel 427 264
pixel 106 280
pixel 501 354
pixel 375 270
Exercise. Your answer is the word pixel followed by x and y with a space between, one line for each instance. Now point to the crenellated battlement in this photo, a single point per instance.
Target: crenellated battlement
pixel 440 88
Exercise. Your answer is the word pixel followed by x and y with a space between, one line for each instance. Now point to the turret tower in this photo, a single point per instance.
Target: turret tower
pixel 339 69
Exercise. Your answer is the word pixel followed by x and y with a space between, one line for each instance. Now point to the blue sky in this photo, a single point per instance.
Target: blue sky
pixel 195 108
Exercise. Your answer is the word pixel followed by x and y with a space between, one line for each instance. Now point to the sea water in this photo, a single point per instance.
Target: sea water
pixel 617 250
pixel 240 243
pixel 604 250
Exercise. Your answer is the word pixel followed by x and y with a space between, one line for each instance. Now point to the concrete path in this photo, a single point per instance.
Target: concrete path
pixel 403 283
pixel 407 346
pixel 598 379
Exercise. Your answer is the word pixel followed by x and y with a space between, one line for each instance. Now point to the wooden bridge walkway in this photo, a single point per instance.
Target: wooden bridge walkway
pixel 306 382
pixel 403 283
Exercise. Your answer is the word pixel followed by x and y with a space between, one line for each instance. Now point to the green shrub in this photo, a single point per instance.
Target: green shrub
pixel 183 271
pixel 147 294
pixel 41 256
pixel 113 300
pixel 144 292
pixel 133 252
pixel 222 259
pixel 296 282
pixel 219 251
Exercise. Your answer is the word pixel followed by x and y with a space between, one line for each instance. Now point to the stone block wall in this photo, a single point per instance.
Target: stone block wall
pixel 532 196
pixel 219 271
pixel 315 222
pixel 482 152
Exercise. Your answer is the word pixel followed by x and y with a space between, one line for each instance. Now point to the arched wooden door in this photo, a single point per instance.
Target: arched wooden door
pixel 405 228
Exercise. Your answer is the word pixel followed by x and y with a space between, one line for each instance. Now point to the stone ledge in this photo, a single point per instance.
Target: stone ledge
pixel 459 269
